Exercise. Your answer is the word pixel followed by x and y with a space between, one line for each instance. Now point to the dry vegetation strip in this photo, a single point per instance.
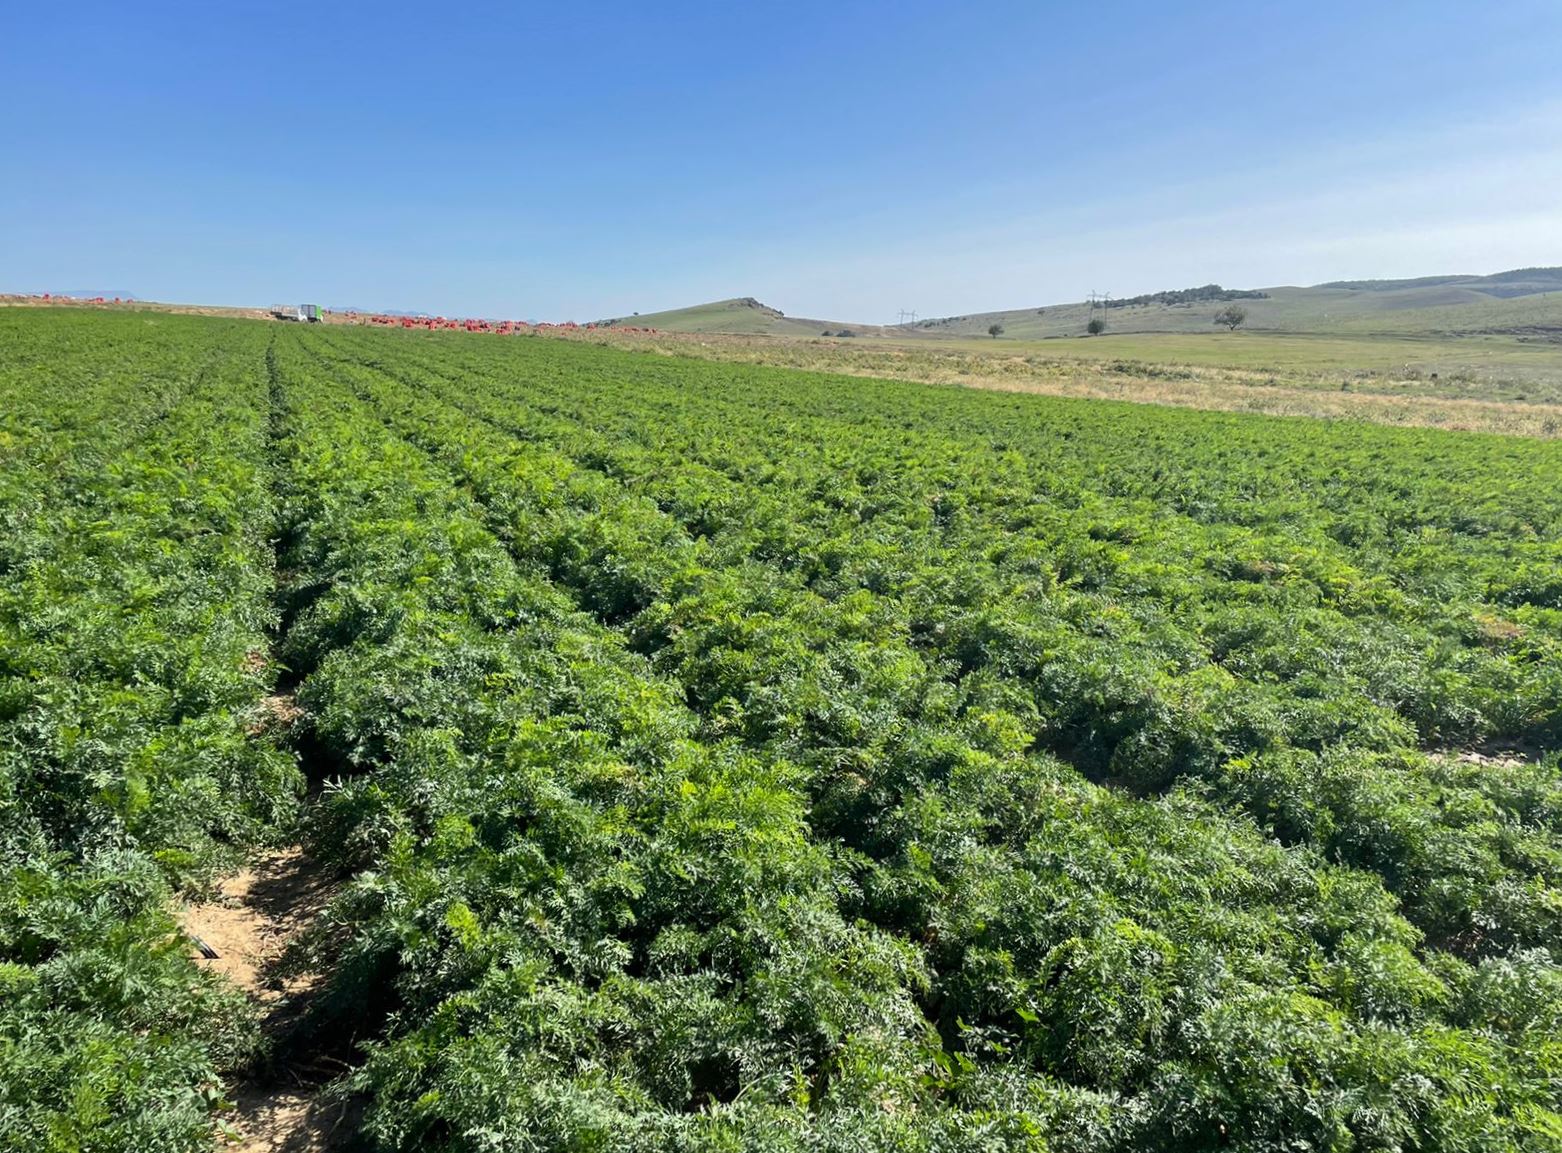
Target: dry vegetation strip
pixel 1181 386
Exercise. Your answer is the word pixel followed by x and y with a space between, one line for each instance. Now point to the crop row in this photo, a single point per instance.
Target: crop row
pixel 1127 689
pixel 1113 972
pixel 731 759
pixel 569 917
pixel 135 581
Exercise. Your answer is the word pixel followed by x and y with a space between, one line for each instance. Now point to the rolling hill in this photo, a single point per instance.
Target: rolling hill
pixel 1522 302
pixel 743 316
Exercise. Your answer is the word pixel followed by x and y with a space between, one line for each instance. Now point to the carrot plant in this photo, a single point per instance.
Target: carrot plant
pixel 1076 941
pixel 730 758
pixel 135 580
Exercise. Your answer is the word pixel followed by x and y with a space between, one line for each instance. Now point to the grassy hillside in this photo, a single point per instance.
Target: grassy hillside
pixel 1524 302
pixel 1532 318
pixel 743 316
pixel 1435 308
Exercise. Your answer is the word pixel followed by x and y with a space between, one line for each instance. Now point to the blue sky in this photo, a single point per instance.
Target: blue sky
pixel 839 160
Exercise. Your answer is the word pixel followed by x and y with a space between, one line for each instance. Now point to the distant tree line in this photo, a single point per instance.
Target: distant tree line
pixel 1199 295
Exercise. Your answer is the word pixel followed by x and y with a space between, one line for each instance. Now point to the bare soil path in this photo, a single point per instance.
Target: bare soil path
pixel 257 913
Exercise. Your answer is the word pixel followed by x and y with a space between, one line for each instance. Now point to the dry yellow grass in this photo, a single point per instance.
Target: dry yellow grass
pixel 16 300
pixel 1365 397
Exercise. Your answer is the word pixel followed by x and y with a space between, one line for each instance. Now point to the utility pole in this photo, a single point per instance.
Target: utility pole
pixel 904 316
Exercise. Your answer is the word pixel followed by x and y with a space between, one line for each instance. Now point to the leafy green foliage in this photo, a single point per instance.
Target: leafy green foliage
pixel 725 758
pixel 816 581
pixel 134 592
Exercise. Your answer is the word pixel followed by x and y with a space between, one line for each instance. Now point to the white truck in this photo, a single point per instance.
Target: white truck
pixel 309 313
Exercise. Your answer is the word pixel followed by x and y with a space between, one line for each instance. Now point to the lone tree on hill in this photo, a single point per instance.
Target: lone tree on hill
pixel 1231 316
pixel 995 330
pixel 1096 326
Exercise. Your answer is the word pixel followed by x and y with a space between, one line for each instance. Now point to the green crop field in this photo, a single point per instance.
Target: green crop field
pixel 707 756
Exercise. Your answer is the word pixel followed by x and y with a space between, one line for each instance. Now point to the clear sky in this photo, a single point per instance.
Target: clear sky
pixel 838 160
